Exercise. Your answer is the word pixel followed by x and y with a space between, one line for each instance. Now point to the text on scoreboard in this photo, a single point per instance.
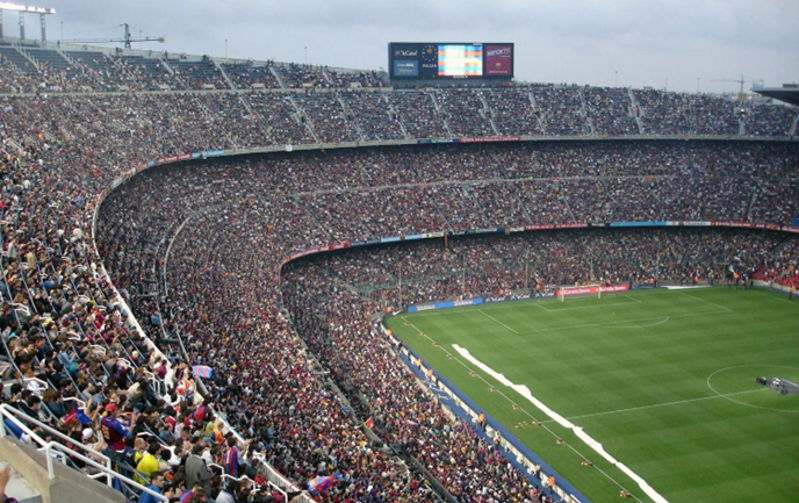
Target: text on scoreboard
pixel 450 60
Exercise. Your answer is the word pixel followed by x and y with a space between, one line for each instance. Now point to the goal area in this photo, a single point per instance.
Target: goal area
pixel 563 292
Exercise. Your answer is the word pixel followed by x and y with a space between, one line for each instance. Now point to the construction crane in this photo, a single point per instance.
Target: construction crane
pixel 126 39
pixel 740 82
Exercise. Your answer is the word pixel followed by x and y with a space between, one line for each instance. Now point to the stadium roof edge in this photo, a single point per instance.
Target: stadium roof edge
pixel 788 93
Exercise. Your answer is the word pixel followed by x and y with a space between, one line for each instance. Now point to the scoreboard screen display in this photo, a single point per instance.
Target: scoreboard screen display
pixel 449 60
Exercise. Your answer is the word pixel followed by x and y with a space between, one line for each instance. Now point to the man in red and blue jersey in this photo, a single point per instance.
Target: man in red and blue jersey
pixel 232 457
pixel 114 431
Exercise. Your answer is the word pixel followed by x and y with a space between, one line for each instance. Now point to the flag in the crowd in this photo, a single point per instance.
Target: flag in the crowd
pixel 77 414
pixel 203 371
pixel 369 423
pixel 319 483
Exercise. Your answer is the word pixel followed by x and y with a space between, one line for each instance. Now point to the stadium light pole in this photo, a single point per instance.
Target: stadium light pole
pixel 27 9
pixel 399 288
pixel 463 273
pixel 526 280
pixel 527 272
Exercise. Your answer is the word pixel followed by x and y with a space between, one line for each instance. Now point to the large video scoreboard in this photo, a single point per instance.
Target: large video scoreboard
pixel 450 60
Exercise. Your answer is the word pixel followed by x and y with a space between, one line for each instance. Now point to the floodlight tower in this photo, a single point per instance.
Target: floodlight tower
pixel 22 10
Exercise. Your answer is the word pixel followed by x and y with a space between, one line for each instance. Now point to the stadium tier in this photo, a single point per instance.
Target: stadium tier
pixel 204 252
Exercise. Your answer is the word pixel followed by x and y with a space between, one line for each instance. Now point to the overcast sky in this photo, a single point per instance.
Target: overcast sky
pixel 658 43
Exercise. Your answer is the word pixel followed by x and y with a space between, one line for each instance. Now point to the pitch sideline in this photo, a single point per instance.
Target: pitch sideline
pixel 524 391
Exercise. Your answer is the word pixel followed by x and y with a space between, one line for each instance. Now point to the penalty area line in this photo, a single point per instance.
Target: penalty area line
pixel 663 404
pixel 496 320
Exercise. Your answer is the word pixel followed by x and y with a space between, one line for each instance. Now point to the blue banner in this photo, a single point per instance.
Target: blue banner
pixel 637 224
pixel 445 305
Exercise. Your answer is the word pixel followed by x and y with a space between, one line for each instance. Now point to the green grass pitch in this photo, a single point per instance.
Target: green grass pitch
pixel 663 379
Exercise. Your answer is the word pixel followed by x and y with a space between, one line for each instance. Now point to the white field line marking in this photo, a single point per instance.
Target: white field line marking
pixel 700 299
pixel 496 320
pixel 633 325
pixel 593 306
pixel 522 409
pixel 577 430
pixel 612 324
pixel 639 301
pixel 664 320
pixel 751 405
pixel 541 305
pixel 665 404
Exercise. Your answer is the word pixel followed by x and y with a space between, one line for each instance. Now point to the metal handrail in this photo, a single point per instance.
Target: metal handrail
pixel 16 416
pixel 108 472
pixel 53 449
pixel 245 477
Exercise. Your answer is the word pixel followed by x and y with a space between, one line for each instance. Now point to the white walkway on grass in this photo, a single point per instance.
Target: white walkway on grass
pixel 578 431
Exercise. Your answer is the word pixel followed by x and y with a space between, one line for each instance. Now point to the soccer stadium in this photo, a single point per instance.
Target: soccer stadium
pixel 241 280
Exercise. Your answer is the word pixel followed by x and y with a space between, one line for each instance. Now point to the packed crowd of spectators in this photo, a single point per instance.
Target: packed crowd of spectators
pixel 87 374
pixel 373 111
pixel 611 110
pixel 669 113
pixel 513 111
pixel 466 112
pixel 329 120
pixel 500 265
pixel 561 110
pixel 538 110
pixel 252 214
pixel 781 266
pixel 251 74
pixel 288 389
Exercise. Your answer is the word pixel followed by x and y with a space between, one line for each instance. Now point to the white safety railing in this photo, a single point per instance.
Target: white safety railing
pixel 57 451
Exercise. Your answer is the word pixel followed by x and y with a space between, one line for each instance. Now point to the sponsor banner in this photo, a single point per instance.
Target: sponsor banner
pixel 150 163
pixel 406 52
pixel 213 153
pixel 614 288
pixel 414 236
pixel 637 224
pixel 406 68
pixel 339 246
pixel 478 231
pixel 436 140
pixel 695 223
pixel 433 234
pixel 498 60
pixel 585 290
pixel 555 226
pixel 445 305
pixel 392 239
pixel 747 225
pixel 467 302
pixel 196 155
pixel 184 157
pixel 423 307
pixel 484 139
pixel 577 291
